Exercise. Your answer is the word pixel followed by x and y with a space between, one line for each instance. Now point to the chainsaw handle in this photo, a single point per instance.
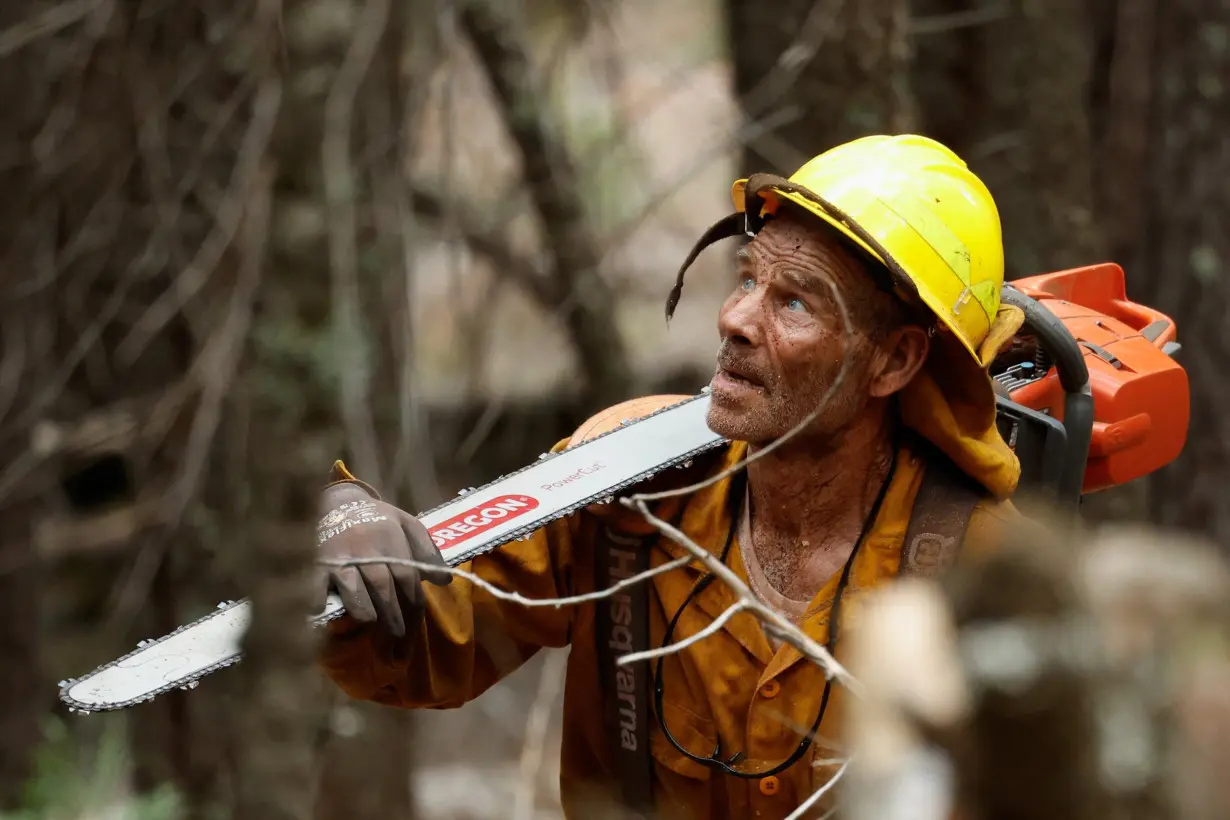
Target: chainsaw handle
pixel 1073 374
pixel 1055 338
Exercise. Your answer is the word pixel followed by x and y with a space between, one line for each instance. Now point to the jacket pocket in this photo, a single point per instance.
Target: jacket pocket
pixel 692 732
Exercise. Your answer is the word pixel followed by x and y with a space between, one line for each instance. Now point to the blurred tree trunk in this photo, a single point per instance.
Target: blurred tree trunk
pixel 1124 51
pixel 843 64
pixel 338 139
pixel 84 257
pixel 1107 707
pixel 24 693
pixel 272 500
pixel 1043 99
pixel 280 710
pixel 162 733
pixel 1116 108
pixel 1008 87
pixel 364 760
pixel 574 291
pixel 366 766
pixel 23 700
pixel 1182 260
pixel 1036 82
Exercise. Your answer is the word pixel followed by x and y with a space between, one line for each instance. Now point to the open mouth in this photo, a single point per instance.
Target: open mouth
pixel 730 375
pixel 737 379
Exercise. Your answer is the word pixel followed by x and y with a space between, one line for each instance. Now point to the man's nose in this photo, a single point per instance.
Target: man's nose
pixel 740 319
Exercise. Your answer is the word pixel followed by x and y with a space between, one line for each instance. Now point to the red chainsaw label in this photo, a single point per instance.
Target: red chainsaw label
pixel 479 519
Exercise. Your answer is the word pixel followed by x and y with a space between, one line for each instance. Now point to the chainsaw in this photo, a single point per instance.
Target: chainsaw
pixel 1089 396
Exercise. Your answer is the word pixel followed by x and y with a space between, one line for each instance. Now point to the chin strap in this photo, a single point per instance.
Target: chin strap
pixel 748 222
pixel 724 228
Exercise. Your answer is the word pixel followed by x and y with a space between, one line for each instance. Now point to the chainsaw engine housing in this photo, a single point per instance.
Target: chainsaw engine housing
pixel 1139 391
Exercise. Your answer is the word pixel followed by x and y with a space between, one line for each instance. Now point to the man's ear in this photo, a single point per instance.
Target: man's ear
pixel 902 354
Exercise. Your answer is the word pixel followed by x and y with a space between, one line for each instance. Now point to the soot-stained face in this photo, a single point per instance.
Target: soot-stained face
pixel 784 338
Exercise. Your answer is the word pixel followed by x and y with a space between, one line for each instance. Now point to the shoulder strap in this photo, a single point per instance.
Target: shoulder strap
pixel 622 626
pixel 939 519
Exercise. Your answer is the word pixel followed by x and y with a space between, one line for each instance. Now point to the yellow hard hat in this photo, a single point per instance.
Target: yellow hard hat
pixel 914 206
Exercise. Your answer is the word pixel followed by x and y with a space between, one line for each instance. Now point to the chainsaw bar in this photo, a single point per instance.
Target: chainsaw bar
pixel 511 508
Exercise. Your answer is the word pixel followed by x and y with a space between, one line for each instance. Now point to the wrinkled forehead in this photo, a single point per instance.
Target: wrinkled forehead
pixel 805 246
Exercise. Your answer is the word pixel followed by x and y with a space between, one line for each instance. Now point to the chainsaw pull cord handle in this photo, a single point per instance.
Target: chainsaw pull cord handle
pixel 1073 373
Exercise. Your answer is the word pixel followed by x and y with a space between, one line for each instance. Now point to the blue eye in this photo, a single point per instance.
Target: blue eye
pixel 796 304
pixel 747 283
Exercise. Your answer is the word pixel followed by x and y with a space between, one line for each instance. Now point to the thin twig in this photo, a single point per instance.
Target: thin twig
pixel 792 60
pixel 214 369
pixel 846 364
pixel 52 20
pixel 61 122
pixel 85 338
pixel 481 431
pixel 17 469
pixel 215 366
pixel 582 297
pixel 951 21
pixel 340 181
pixel 788 632
pixel 226 111
pixel 516 597
pixel 711 629
pixel 13 362
pixel 746 132
pixel 524 270
pixel 129 595
pixel 229 217
pixel 818 793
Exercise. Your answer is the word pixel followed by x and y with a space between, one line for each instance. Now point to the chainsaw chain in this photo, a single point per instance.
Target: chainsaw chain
pixel 520 534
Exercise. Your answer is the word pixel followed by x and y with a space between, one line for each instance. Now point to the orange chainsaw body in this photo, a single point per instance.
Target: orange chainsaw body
pixel 1140 393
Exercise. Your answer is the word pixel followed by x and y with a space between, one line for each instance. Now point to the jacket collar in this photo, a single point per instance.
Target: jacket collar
pixel 713 510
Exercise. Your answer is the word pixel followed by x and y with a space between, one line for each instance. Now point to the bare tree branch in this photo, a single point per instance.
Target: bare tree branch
pixel 230 214
pixel 216 365
pixel 712 629
pixel 13 362
pixel 341 183
pixel 770 618
pixel 989 12
pixel 555 189
pixel 46 24
pixel 531 277
pixel 746 132
pixel 515 597
pixel 411 462
pixel 806 805
pixel 818 25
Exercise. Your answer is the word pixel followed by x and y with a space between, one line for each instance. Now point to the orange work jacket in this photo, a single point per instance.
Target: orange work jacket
pixel 731 685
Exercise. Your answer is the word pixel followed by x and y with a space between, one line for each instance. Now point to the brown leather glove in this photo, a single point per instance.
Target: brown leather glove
pixel 356 523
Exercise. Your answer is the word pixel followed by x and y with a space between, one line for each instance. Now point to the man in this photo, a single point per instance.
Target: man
pixel 894 233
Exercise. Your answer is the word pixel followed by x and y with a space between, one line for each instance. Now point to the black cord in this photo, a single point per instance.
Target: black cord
pixel 714 759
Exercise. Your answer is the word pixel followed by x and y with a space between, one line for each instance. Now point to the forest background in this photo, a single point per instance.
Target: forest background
pixel 242 238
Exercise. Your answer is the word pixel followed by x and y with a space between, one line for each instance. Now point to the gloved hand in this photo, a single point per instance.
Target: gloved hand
pixel 356 523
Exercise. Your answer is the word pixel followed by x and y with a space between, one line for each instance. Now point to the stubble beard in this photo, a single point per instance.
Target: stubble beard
pixel 775 412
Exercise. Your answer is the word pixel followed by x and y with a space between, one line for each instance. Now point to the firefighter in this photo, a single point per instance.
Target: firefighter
pixel 893 235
